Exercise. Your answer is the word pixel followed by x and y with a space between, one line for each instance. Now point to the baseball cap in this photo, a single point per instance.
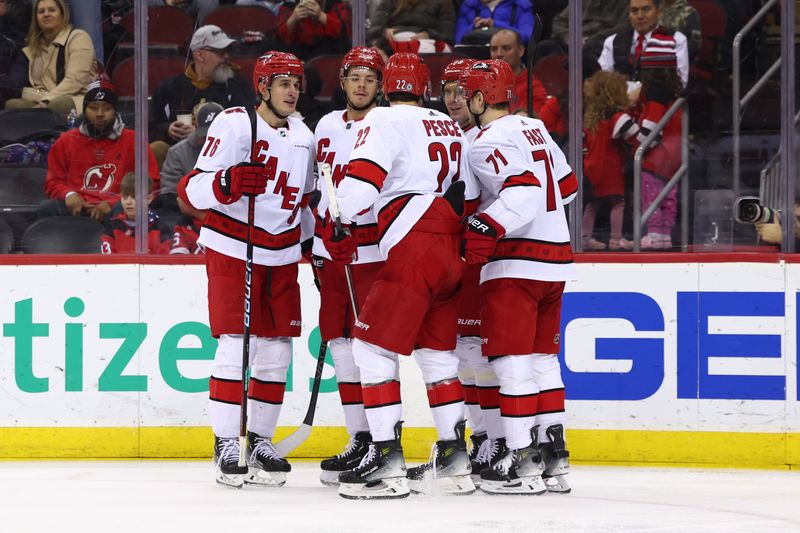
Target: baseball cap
pixel 205 116
pixel 210 36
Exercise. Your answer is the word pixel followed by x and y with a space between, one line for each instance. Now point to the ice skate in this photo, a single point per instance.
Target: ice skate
pixel 226 462
pixel 556 461
pixel 448 471
pixel 381 474
pixel 518 472
pixel 476 440
pixel 267 467
pixel 489 452
pixel 347 460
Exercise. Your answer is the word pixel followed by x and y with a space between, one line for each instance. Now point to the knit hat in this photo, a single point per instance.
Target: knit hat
pixel 205 116
pixel 101 91
pixel 659 53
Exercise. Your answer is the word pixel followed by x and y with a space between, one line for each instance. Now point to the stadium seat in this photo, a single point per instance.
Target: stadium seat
pixel 21 188
pixel 63 235
pixel 328 67
pixel 553 73
pixel 713 26
pixel 6 238
pixel 165 25
pixel 158 69
pixel 235 20
pixel 436 64
pixel 247 63
pixel 17 124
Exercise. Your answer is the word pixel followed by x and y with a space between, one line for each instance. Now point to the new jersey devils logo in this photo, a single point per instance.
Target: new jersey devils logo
pixel 100 177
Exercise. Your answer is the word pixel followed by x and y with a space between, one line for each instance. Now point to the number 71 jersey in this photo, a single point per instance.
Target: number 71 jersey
pixel 525 181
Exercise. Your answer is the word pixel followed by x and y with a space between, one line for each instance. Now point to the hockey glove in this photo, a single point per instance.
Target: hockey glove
pixel 342 247
pixel 242 179
pixel 480 239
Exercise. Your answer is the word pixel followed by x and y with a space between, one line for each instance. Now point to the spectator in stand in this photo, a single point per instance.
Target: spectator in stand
pixel 187 231
pixel 120 234
pixel 15 16
pixel 61 61
pixel 678 15
pixel 478 20
pixel 182 157
pixel 622 51
pixel 88 17
pixel 197 9
pixel 661 86
pixel 86 164
pixel 210 77
pixel 429 23
pixel 608 128
pixel 310 28
pixel 552 111
pixel 507 45
pixel 601 18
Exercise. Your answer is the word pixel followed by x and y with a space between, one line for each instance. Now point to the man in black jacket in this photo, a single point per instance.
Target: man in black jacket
pixel 210 77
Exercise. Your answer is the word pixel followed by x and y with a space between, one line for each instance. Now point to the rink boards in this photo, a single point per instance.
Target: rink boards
pixel 664 361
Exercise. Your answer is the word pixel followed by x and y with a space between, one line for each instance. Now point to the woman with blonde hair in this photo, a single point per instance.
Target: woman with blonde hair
pixel 61 61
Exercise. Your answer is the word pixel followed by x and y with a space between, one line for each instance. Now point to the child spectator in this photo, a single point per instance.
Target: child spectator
pixel 309 28
pixel 661 86
pixel 607 128
pixel 85 164
pixel 187 230
pixel 119 236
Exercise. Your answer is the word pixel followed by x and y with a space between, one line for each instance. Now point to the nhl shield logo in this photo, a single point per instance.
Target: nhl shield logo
pixel 556 338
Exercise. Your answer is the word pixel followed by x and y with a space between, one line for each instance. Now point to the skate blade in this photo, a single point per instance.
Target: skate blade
pixel 476 480
pixel 384 489
pixel 263 479
pixel 329 478
pixel 557 485
pixel 446 486
pixel 526 486
pixel 235 481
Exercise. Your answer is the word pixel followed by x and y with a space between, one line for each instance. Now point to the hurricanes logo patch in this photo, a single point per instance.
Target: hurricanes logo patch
pixel 99 178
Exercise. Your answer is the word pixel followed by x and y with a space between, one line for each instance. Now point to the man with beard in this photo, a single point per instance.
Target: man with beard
pixel 210 77
pixel 86 164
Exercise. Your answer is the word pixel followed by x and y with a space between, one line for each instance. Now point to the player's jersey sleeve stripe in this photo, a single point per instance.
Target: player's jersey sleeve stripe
pixel 237 230
pixel 568 185
pixel 367 171
pixel 526 179
pixel 533 250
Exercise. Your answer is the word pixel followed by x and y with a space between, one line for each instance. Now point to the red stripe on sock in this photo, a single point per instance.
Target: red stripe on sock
pixel 266 391
pixel 381 395
pixel 445 392
pixel 470 394
pixel 519 406
pixel 551 401
pixel 225 390
pixel 489 397
pixel 350 393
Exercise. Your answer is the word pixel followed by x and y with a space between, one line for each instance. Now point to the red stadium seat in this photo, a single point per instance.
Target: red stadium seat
pixel 247 63
pixel 165 25
pixel 436 64
pixel 235 20
pixel 328 67
pixel 553 73
pixel 713 25
pixel 158 69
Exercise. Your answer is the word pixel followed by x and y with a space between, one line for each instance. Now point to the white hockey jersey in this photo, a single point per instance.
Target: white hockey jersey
pixel 404 156
pixel 525 181
pixel 288 154
pixel 335 136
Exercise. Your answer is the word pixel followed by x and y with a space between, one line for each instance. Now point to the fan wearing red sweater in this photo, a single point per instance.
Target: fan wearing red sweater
pixel 309 28
pixel 120 234
pixel 86 164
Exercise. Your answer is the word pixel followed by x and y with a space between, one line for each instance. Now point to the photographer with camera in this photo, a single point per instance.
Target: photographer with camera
pixel 767 220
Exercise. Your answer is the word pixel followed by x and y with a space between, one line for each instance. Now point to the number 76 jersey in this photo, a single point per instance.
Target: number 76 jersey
pixel 525 182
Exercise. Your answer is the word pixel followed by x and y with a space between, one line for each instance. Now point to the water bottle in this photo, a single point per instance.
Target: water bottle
pixel 71 118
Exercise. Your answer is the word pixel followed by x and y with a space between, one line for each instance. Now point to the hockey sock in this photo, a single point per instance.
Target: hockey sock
pixel 380 387
pixel 547 373
pixel 489 398
pixel 518 397
pixel 468 349
pixel 445 394
pixel 349 380
pixel 268 383
pixel 225 386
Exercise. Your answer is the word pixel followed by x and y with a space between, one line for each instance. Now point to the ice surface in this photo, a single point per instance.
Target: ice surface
pixel 181 496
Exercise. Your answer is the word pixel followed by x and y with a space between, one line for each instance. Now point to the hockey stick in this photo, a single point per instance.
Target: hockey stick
pixel 248 286
pixel 299 435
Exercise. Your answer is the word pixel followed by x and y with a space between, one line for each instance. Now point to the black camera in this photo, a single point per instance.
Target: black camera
pixel 750 211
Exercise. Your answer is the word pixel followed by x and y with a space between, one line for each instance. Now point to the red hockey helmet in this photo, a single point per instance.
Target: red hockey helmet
pixel 406 73
pixel 452 72
pixel 493 77
pixel 273 64
pixel 364 57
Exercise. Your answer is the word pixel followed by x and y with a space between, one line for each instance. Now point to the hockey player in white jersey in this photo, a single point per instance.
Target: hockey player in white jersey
pixel 522 239
pixel 360 76
pixel 278 180
pixel 403 163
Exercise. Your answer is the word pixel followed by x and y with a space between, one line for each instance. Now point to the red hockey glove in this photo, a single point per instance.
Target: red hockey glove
pixel 342 247
pixel 480 239
pixel 242 179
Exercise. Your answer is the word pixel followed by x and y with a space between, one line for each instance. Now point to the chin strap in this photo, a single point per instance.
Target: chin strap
pixel 478 116
pixel 272 108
